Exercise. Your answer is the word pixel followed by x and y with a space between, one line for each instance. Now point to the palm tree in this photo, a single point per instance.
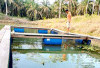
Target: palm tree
pixel 6 2
pixel 60 1
pixel 87 5
pixel 72 6
pixel 98 1
pixel 93 4
pixel 45 8
pixel 1 3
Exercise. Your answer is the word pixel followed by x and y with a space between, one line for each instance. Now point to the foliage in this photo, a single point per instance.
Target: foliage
pixel 89 48
pixel 1 26
pixel 35 11
pixel 30 14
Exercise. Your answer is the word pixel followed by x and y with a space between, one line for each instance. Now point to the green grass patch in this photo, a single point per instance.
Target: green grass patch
pixel 2 16
pixel 1 26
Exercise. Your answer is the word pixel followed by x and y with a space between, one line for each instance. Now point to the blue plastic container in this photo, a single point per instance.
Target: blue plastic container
pixel 43 31
pixel 81 41
pixel 53 32
pixel 52 41
pixel 19 30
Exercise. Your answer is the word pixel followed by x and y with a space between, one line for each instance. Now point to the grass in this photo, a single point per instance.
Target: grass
pixel 88 25
pixel 1 26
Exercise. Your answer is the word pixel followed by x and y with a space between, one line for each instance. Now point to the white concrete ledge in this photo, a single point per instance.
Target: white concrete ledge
pixel 4 46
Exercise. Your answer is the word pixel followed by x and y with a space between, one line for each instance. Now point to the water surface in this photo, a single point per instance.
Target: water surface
pixel 31 53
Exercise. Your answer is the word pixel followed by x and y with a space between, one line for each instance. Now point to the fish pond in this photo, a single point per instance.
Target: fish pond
pixel 32 53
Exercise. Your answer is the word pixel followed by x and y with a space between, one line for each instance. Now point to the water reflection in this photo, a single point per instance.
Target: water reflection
pixel 51 48
pixel 49 60
pixel 27 43
pixel 50 56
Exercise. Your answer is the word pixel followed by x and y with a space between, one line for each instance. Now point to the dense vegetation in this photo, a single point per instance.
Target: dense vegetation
pixel 36 11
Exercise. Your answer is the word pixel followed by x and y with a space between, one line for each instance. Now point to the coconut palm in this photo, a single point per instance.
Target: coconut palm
pixel 98 3
pixel 6 2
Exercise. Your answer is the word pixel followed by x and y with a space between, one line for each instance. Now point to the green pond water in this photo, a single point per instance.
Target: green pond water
pixel 31 53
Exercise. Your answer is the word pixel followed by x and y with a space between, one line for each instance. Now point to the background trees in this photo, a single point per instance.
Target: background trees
pixel 98 4
pixel 35 11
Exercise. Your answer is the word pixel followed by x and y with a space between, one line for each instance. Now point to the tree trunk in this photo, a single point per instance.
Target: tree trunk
pixel 70 5
pixel 0 8
pixel 60 8
pixel 86 8
pixel 6 7
pixel 93 8
pixel 99 10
